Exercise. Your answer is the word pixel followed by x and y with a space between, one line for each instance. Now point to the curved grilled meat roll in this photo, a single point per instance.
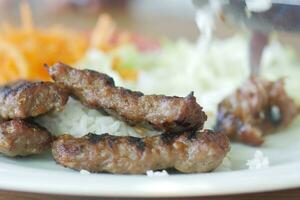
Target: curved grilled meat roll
pixel 256 108
pixel 25 99
pixel 96 90
pixel 21 138
pixel 188 152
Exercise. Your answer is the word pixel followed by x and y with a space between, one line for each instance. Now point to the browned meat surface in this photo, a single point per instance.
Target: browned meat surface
pixel 256 108
pixel 187 152
pixel 96 90
pixel 21 138
pixel 29 99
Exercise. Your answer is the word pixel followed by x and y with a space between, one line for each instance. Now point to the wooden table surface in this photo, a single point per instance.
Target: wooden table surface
pixel 293 194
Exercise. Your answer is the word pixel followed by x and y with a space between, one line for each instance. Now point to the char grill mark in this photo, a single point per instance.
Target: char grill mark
pixel 137 142
pixel 94 139
pixel 98 91
pixel 167 139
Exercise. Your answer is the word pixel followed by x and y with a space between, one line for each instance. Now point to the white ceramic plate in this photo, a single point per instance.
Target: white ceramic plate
pixel 41 174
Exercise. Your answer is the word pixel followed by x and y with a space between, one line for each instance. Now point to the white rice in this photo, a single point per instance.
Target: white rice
pixel 84 172
pixel 152 173
pixel 79 120
pixel 259 161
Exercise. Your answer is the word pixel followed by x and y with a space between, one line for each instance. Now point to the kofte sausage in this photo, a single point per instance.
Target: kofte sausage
pixel 187 152
pixel 257 108
pixel 25 99
pixel 97 90
pixel 22 138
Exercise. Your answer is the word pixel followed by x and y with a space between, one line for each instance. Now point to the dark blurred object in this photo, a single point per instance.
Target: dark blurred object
pixel 283 17
pixel 258 41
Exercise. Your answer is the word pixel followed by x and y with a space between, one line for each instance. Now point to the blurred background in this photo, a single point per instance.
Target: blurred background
pixel 30 26
pixel 173 19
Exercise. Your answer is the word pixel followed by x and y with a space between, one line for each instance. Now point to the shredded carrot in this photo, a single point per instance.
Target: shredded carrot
pixel 106 37
pixel 102 32
pixel 26 16
pixel 24 50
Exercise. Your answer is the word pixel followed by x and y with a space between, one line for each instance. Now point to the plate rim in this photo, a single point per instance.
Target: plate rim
pixel 245 181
